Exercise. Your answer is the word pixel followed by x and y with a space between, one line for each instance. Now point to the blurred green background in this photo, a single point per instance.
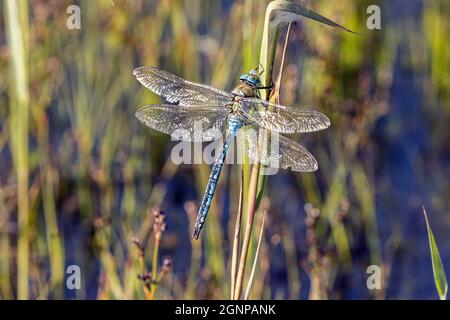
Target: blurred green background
pixel 79 175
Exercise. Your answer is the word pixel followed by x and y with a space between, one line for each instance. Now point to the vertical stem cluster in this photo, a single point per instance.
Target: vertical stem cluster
pixel 151 280
pixel 257 181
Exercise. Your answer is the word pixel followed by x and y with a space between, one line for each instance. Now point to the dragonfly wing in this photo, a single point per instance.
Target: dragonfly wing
pixel 177 90
pixel 282 119
pixel 196 123
pixel 276 151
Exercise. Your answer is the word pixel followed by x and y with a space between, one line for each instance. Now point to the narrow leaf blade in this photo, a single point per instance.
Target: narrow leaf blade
pixel 286 11
pixel 440 277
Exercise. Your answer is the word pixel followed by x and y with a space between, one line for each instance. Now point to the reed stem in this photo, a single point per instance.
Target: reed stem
pixel 255 260
pixel 17 32
pixel 154 285
pixel 237 234
pixel 248 230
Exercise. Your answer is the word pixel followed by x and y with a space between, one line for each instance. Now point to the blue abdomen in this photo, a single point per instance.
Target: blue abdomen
pixel 233 126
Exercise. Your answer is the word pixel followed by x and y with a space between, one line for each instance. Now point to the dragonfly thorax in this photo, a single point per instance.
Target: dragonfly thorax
pixel 245 90
pixel 249 85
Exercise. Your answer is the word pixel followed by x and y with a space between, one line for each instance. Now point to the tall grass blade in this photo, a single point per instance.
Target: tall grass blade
pixel 287 11
pixel 440 278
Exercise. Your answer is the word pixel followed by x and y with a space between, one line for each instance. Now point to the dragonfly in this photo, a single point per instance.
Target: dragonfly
pixel 221 111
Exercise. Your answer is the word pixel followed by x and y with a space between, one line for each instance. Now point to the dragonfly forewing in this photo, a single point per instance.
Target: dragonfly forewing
pixel 178 90
pixel 282 119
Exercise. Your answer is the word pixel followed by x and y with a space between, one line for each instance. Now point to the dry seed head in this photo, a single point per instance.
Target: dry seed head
pixel 343 209
pixel 139 245
pixel 159 224
pixel 167 264
pixel 99 223
pixel 145 277
pixel 312 215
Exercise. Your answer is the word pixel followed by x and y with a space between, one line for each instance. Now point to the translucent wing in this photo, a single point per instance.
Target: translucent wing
pixel 197 123
pixel 177 90
pixel 282 119
pixel 276 151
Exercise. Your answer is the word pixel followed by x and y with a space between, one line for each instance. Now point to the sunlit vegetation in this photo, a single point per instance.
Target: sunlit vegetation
pixel 81 180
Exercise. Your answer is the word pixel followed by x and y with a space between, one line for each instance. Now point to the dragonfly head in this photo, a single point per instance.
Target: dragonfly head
pixel 251 78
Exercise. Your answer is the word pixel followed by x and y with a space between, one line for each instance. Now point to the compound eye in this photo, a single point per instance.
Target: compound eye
pixel 253 73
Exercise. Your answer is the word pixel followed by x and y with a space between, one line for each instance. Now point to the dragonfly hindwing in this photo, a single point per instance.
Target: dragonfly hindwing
pixel 199 123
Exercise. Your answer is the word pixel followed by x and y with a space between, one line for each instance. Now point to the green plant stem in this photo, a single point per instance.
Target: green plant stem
pixel 54 242
pixel 17 27
pixel 236 238
pixel 154 285
pixel 266 61
pixel 248 230
pixel 5 269
pixel 255 260
pixel 256 184
pixel 109 264
pixel 141 259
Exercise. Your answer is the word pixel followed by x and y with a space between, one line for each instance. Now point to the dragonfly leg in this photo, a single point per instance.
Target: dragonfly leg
pixel 268 87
